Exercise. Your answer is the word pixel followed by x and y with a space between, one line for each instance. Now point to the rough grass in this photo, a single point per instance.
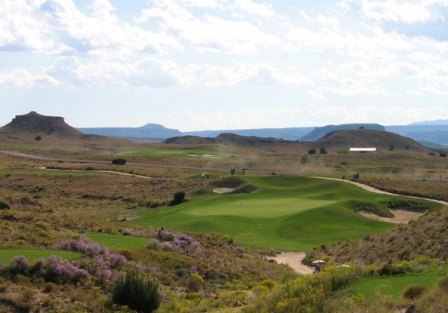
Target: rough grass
pixel 394 285
pixel 286 212
pixel 34 254
pixel 118 241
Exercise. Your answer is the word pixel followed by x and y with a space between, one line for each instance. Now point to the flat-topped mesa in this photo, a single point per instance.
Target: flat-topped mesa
pixel 40 124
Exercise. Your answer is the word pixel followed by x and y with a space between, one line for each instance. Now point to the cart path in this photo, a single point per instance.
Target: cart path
pixel 101 171
pixel 293 260
pixel 379 191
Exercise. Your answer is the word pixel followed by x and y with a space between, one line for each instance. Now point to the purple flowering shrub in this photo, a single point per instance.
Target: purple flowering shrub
pixel 61 271
pixel 82 245
pixel 54 269
pixel 167 240
pixel 19 265
pixel 100 262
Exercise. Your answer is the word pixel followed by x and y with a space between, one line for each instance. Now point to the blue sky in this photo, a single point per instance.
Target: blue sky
pixel 223 64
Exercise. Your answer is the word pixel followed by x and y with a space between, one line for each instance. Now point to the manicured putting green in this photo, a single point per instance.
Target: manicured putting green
pixel 118 241
pixel 34 254
pixel 395 285
pixel 289 213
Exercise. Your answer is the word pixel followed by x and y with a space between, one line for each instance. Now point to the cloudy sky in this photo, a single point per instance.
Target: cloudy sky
pixel 223 64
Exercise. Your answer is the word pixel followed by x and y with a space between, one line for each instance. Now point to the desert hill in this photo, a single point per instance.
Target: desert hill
pixel 320 132
pixel 148 131
pixel 366 138
pixel 36 124
pixel 227 139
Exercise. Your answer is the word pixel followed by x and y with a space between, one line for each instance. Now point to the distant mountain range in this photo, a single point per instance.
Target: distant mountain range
pixel 432 134
pixel 148 132
pixel 435 122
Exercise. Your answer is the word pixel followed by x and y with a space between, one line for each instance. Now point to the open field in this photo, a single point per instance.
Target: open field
pixel 285 212
pixel 34 254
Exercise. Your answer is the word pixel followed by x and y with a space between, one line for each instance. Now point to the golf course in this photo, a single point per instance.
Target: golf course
pixel 288 213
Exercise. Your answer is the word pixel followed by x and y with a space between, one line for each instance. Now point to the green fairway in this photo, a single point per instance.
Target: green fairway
pixel 289 213
pixel 394 285
pixel 7 254
pixel 118 241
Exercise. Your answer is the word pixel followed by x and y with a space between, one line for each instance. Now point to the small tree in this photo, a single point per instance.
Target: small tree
pixel 38 138
pixel 119 161
pixel 414 292
pixel 138 292
pixel 304 159
pixel 392 148
pixel 312 151
pixel 322 151
pixel 443 154
pixel 178 198
pixel 4 206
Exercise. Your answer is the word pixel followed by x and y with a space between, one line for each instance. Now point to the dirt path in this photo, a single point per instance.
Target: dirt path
pixel 293 260
pixel 101 171
pixel 379 191
pixel 400 216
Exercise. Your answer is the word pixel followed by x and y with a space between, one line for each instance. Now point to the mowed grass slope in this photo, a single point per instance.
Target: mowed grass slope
pixel 289 213
pixel 394 285
pixel 6 254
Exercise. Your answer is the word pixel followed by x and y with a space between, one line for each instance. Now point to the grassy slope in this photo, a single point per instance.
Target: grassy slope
pixel 34 254
pixel 118 241
pixel 394 285
pixel 288 213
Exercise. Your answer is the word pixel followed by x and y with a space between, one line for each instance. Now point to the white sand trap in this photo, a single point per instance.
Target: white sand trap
pixel 400 216
pixel 223 190
pixel 293 260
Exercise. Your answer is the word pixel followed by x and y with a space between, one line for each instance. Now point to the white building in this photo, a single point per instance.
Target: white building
pixel 362 149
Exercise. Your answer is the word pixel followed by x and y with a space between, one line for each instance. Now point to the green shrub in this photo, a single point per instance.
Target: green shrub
pixel 195 283
pixel 4 206
pixel 304 159
pixel 119 161
pixel 414 292
pixel 312 151
pixel 137 292
pixel 178 198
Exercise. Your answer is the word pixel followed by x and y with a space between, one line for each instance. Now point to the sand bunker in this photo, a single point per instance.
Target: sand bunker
pixel 293 260
pixel 223 190
pixel 400 216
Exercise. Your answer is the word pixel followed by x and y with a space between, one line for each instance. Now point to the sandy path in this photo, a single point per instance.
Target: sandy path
pixel 400 216
pixel 99 171
pixel 293 260
pixel 379 191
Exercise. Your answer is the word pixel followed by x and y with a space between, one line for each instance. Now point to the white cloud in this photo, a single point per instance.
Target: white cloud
pixel 396 11
pixel 21 78
pixel 255 8
pixel 207 75
pixel 208 32
pixel 58 26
